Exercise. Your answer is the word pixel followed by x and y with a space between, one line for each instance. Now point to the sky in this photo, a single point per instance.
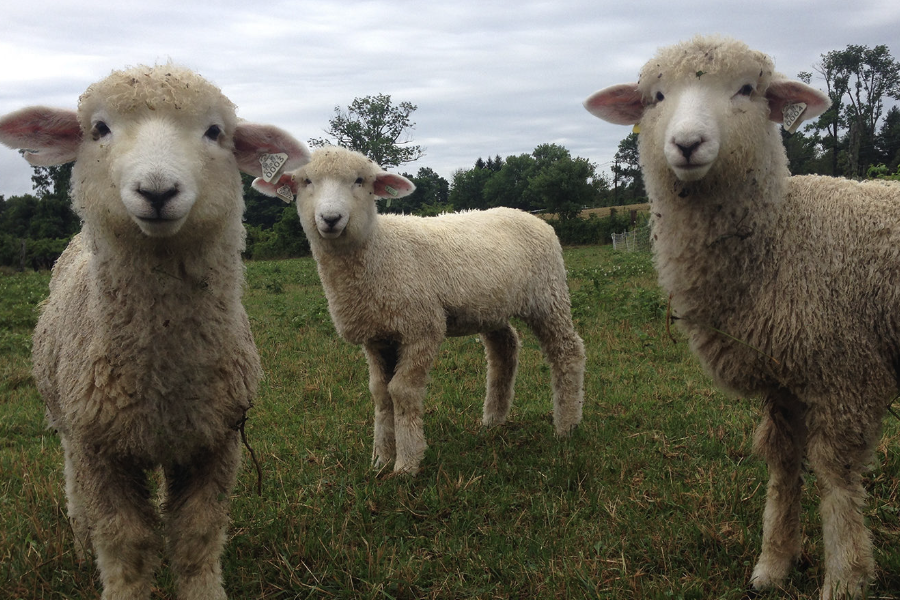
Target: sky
pixel 488 77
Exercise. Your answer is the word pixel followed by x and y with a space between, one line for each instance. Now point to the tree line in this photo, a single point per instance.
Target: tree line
pixel 858 137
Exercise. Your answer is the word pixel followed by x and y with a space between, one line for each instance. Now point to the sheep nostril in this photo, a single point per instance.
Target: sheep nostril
pixel 158 199
pixel 688 150
pixel 331 221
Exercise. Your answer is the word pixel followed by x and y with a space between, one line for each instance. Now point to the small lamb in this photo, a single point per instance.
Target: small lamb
pixel 143 351
pixel 787 287
pixel 398 285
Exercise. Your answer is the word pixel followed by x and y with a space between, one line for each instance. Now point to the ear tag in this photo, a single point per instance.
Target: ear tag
pixel 391 191
pixel 271 165
pixel 636 128
pixel 285 193
pixel 792 114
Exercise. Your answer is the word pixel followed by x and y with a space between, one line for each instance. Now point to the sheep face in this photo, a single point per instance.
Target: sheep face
pixel 158 163
pixel 163 138
pixel 336 195
pixel 697 102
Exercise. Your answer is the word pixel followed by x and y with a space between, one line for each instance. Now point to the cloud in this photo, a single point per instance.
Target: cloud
pixel 489 78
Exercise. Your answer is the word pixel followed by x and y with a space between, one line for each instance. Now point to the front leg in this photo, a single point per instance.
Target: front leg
pixel 407 391
pixel 381 357
pixel 780 439
pixel 196 513
pixel 112 499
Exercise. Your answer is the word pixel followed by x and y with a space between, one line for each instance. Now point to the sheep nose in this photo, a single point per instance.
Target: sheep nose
pixel 331 221
pixel 158 199
pixel 687 150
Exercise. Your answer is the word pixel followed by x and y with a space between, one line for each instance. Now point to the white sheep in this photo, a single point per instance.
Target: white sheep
pixel 398 285
pixel 143 352
pixel 787 287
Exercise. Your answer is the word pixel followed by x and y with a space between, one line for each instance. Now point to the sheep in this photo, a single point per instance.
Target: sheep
pixel 787 287
pixel 143 352
pixel 398 285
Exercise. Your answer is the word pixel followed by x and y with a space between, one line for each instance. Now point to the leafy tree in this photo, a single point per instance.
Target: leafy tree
pixel 430 197
pixel 375 127
pixel 467 187
pixel 262 211
pixel 565 186
pixel 627 169
pixel 508 186
pixel 858 80
pixel 887 143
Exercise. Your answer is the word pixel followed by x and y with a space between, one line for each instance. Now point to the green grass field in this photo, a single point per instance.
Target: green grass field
pixel 656 495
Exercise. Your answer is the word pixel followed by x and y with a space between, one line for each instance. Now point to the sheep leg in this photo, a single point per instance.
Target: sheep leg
pixel 382 360
pixel 780 439
pixel 196 515
pixel 839 450
pixel 114 500
pixel 502 349
pixel 75 501
pixel 407 391
pixel 564 350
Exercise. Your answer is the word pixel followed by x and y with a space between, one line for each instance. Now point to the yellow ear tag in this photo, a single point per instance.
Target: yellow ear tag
pixel 636 128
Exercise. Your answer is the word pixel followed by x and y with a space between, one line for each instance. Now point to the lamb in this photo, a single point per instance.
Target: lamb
pixel 143 352
pixel 399 284
pixel 787 287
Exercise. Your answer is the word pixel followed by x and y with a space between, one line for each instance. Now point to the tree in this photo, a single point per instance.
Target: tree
pixel 467 188
pixel 888 140
pixel 508 186
pixel 858 79
pixel 565 186
pixel 430 196
pixel 627 169
pixel 375 127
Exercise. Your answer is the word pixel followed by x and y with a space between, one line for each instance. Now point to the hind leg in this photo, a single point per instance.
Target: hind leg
pixel 839 449
pixel 564 350
pixel 780 439
pixel 382 360
pixel 502 349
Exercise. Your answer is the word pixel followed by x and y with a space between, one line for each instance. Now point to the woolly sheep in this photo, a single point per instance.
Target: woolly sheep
pixel 787 287
pixel 398 285
pixel 143 352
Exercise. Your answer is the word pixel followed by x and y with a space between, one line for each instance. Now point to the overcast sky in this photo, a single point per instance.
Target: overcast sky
pixel 489 78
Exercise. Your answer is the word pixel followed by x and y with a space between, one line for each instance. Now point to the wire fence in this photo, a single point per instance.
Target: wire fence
pixel 637 240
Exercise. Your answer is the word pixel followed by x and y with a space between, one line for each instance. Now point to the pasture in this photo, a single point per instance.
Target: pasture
pixel 656 495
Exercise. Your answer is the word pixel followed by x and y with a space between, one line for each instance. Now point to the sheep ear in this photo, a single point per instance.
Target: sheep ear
pixel 285 187
pixel 389 185
pixel 783 94
pixel 49 136
pixel 252 142
pixel 620 104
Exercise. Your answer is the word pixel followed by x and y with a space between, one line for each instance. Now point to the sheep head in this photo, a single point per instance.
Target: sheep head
pixel 698 101
pixel 165 139
pixel 336 194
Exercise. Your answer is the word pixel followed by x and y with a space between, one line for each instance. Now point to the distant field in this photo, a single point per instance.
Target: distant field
pixel 656 496
pixel 604 211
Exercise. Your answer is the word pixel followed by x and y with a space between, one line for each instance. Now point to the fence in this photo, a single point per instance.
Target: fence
pixel 637 240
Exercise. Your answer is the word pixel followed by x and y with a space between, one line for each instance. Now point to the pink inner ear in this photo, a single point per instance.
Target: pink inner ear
pixel 620 104
pixel 252 140
pixel 388 185
pixel 782 92
pixel 52 134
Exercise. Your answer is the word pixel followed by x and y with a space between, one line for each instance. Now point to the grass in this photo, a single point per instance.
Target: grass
pixel 656 495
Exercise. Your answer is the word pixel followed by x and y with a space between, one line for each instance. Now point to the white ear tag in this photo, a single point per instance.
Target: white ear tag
pixel 285 193
pixel 792 114
pixel 271 165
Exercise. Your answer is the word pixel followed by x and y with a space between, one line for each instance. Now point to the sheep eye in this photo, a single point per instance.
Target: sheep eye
pixel 660 97
pixel 99 130
pixel 746 90
pixel 213 132
pixel 359 181
pixel 307 182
